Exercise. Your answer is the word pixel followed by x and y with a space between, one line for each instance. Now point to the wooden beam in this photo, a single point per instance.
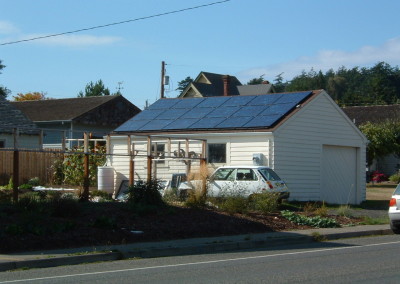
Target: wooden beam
pixel 86 181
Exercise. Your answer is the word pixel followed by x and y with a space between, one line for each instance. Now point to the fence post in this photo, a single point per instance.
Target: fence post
pixel 15 166
pixel 86 182
pixel 131 163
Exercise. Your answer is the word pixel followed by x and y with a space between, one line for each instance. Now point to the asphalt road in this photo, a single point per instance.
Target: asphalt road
pixel 366 260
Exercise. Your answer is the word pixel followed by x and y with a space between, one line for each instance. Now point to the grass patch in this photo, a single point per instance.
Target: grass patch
pixel 375 221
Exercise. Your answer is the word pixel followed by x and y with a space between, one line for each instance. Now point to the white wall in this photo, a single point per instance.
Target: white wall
pixel 299 143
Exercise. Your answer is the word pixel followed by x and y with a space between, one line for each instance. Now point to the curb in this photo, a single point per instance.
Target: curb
pixel 210 245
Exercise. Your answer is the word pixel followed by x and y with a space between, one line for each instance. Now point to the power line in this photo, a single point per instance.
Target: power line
pixel 118 23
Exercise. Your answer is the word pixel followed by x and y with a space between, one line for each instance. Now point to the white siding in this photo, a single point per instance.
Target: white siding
pixel 299 142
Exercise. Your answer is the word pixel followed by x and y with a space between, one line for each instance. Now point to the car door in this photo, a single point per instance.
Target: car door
pixel 247 182
pixel 222 180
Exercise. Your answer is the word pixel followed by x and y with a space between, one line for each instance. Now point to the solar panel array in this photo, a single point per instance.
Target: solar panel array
pixel 237 112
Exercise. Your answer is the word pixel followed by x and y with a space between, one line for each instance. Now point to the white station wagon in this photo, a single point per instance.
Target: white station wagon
pixel 246 180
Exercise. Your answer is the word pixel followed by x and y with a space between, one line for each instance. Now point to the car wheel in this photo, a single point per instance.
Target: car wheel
pixel 394 228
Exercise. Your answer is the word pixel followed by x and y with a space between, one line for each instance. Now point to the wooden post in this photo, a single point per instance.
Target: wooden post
pixel 15 176
pixel 86 181
pixel 63 141
pixel 149 159
pixel 131 165
pixel 41 140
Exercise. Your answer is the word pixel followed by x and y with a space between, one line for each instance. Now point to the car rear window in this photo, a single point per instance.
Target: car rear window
pixel 269 174
pixel 397 190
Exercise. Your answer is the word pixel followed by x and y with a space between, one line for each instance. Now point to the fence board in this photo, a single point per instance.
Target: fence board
pixel 32 164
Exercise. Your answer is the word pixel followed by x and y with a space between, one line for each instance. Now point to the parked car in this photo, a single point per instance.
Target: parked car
pixel 394 211
pixel 243 181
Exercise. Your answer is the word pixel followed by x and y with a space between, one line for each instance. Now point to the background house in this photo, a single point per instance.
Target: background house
pixel 304 136
pixel 209 84
pixel 12 118
pixel 98 115
pixel 390 164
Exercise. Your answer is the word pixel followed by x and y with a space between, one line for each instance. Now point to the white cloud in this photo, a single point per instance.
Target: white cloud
pixel 74 40
pixel 7 28
pixel 327 59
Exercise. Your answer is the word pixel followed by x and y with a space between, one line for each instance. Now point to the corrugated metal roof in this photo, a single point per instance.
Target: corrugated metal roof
pixel 214 113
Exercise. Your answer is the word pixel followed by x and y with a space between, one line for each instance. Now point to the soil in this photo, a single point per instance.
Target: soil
pixel 110 223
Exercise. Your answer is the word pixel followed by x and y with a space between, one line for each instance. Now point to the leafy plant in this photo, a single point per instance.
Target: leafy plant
pixel 105 222
pixel 379 177
pixel 395 178
pixel 317 221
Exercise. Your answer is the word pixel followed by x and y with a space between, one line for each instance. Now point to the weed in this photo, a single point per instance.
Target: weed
pixel 318 237
pixel 344 210
pixel 375 221
pixel 146 193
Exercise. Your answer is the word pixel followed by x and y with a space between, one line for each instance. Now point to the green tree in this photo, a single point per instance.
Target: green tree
pixel 183 83
pixel 256 81
pixel 279 86
pixel 94 89
pixel 384 139
pixel 4 92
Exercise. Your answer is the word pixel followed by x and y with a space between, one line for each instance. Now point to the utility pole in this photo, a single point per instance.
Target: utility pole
pixel 162 79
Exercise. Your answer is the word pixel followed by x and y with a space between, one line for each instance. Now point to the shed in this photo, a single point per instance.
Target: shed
pixel 99 115
pixel 12 118
pixel 304 136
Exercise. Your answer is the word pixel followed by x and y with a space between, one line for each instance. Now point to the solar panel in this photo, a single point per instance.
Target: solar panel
pixel 180 124
pixel 149 114
pixel 213 102
pixel 249 111
pixel 234 122
pixel 292 97
pixel 198 112
pixel 278 109
pixel 173 113
pixel 262 121
pixel 238 101
pixel 185 103
pixel 133 125
pixel 265 99
pixel 214 112
pixel 156 124
pixel 207 123
pixel 164 104
pixel 223 111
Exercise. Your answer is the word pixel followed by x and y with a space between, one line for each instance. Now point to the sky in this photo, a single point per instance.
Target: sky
pixel 243 38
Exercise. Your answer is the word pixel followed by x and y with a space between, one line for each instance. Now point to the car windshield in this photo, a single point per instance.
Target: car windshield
pixel 269 174
pixel 397 190
pixel 224 174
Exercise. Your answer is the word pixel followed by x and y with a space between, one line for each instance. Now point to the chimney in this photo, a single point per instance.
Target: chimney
pixel 226 80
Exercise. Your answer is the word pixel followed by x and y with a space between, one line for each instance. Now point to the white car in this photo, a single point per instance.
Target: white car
pixel 394 211
pixel 246 180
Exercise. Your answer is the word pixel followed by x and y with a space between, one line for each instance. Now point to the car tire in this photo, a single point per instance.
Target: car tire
pixel 394 228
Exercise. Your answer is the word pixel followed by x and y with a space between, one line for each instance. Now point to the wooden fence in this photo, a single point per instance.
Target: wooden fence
pixel 31 164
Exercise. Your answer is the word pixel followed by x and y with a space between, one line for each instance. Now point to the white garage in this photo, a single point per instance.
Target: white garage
pixel 304 136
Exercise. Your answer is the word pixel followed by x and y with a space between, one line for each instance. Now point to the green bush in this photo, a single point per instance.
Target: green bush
pixel 104 222
pixel 266 202
pixel 100 195
pixel 395 178
pixel 195 199
pixel 70 169
pixel 145 193
pixel 318 222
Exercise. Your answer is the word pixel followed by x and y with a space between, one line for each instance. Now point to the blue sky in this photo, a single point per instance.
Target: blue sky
pixel 245 38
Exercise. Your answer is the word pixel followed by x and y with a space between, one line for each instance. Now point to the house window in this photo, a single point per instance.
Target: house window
pixel 158 152
pixel 217 153
pixel 2 143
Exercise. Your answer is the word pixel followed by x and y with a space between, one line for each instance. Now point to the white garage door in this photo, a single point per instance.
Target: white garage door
pixel 339 174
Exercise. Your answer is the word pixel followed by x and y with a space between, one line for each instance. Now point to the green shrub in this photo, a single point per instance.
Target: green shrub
pixel 34 181
pixel 344 210
pixel 395 178
pixel 145 193
pixel 266 202
pixel 318 222
pixel 195 199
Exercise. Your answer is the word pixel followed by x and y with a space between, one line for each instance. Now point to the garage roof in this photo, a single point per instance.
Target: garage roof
pixel 214 113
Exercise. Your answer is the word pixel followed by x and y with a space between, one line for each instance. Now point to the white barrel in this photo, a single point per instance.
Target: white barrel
pixel 105 179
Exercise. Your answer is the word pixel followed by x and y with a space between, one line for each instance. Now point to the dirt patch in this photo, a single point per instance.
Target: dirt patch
pixel 115 223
